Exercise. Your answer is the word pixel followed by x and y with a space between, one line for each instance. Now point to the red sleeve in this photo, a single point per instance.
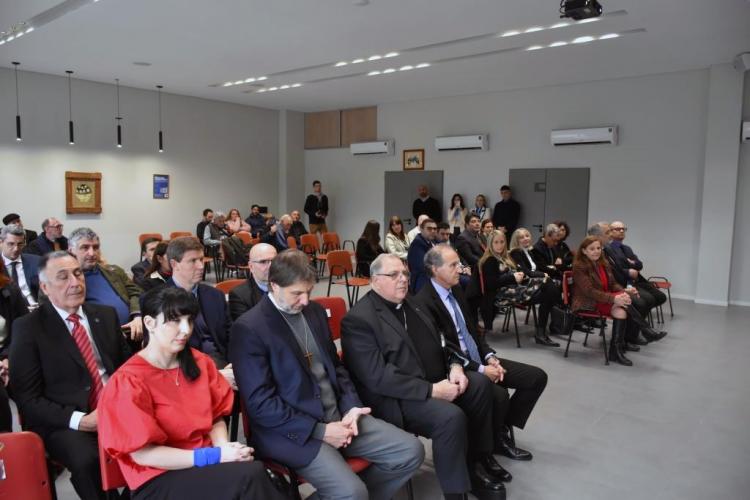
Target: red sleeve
pixel 126 417
pixel 222 395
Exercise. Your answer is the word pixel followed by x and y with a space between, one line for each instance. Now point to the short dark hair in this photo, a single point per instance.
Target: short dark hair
pixel 316 182
pixel 10 218
pixel 178 246
pixel 469 216
pixel 255 205
pixel 173 303
pixel 146 242
pixel 484 223
pixel 443 225
pixel 505 187
pixel 206 211
pixel 289 267
pixel 425 222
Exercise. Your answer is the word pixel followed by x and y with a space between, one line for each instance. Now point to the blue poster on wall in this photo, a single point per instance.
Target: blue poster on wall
pixel 161 187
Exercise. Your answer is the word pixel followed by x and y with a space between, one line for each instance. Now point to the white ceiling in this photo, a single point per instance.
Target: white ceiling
pixel 193 44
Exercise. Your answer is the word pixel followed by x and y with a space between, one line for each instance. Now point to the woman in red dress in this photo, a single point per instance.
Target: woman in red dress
pixel 161 415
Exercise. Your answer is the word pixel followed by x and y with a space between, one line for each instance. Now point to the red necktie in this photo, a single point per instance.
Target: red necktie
pixel 84 345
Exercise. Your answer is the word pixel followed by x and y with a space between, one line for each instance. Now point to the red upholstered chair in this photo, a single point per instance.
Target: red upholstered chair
pixel 179 234
pixel 291 242
pixel 244 236
pixel 227 286
pixel 23 467
pixel 144 236
pixel 335 308
pixel 566 284
pixel 662 283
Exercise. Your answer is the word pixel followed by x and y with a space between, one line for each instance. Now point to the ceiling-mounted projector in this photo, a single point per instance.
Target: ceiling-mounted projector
pixel 580 9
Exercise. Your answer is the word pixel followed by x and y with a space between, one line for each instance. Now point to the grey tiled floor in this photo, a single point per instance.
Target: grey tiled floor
pixel 672 427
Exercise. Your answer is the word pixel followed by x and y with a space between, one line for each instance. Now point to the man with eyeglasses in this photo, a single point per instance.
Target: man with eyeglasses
pixel 409 373
pixel 23 269
pixel 51 239
pixel 14 218
pixel 417 250
pixel 245 296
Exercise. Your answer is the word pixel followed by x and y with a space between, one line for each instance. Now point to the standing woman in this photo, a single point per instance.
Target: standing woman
pixel 235 223
pixel 161 415
pixel 481 209
pixel 368 247
pixel 12 306
pixel 456 214
pixel 396 241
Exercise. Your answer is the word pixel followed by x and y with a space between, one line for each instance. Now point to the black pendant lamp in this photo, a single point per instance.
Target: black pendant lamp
pixel 18 113
pixel 71 134
pixel 118 118
pixel 161 134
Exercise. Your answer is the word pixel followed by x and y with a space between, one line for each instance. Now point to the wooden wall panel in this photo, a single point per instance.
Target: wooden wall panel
pixel 323 130
pixel 359 125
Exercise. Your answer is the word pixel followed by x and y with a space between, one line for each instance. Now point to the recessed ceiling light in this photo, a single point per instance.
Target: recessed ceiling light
pixel 2 42
pixel 227 84
pixel 583 39
pixel 260 91
pixel 533 29
pixel 341 63
pixel 559 25
pixel 296 85
pixel 405 68
pixel 239 82
pixel 373 73
pixel 534 47
pixel 30 30
pixel 558 44
pixel 20 34
pixel 260 79
pixel 271 89
pixel 389 70
pixel 357 61
pixel 609 35
pixel 391 54
pixel 284 87
pixel 589 20
pixel 141 63
pixel 423 65
pixel 249 80
pixel 511 33
pixel 374 58
pixel 9 38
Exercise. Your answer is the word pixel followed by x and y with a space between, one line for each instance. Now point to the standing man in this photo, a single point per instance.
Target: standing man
pixel 62 356
pixel 506 213
pixel 417 250
pixel 425 204
pixel 245 296
pixel 16 219
pixel 51 239
pixel 23 269
pixel 303 407
pixel 316 208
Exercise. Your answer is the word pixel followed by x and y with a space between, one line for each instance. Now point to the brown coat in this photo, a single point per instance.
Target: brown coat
pixel 588 290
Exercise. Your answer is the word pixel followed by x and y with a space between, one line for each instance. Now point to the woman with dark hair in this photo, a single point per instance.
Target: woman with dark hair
pixel 12 306
pixel 396 241
pixel 368 247
pixel 485 229
pixel 159 271
pixel 161 415
pixel 562 248
pixel 456 214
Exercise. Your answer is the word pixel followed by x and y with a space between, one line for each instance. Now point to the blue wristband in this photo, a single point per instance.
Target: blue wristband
pixel 206 456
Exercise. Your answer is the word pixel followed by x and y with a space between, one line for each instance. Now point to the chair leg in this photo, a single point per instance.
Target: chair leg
pixel 533 312
pixel 330 282
pixel 506 321
pixel 410 490
pixel 528 311
pixel 671 310
pixel 570 334
pixel 604 341
pixel 515 323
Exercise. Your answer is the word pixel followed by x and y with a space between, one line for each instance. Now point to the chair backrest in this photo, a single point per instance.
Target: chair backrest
pixel 567 280
pixel 227 286
pixel 245 237
pixel 331 242
pixel 179 234
pixel 339 262
pixel 335 308
pixel 144 236
pixel 23 467
pixel 309 243
pixel 291 242
pixel 112 477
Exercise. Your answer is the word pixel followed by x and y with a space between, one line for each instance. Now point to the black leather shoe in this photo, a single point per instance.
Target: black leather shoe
pixel 638 341
pixel 482 479
pixel 496 470
pixel 631 347
pixel 507 449
pixel 546 341
pixel 652 335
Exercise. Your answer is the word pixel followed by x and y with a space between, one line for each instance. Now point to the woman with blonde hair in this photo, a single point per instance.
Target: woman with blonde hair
pixel 481 209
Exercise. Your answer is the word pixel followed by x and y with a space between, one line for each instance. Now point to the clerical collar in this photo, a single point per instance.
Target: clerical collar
pixel 393 306
pixel 425 198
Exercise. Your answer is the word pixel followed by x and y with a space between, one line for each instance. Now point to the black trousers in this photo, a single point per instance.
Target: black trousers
pixel 551 296
pixel 649 293
pixel 6 417
pixel 460 430
pixel 78 452
pixel 227 481
pixel 528 383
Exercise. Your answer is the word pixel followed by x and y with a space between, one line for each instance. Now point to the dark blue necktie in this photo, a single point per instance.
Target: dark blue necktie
pixel 463 331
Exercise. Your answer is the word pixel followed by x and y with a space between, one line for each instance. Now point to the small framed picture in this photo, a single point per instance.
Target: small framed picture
pixel 83 192
pixel 161 187
pixel 413 159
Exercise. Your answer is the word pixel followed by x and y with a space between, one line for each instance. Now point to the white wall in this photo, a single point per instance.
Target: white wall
pixel 218 155
pixel 739 290
pixel 652 180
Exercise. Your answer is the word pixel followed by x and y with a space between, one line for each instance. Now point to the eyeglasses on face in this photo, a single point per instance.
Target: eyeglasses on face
pixel 623 229
pixel 395 274
pixel 263 262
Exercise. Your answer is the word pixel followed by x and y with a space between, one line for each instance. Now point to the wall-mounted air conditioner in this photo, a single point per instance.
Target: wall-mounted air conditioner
pixel 385 148
pixel 601 135
pixel 745 131
pixel 477 142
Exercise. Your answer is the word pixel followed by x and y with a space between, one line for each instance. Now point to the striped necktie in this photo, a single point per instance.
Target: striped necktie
pixel 81 338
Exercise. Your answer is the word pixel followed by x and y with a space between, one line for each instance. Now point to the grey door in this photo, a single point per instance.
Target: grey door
pixel 401 191
pixel 552 194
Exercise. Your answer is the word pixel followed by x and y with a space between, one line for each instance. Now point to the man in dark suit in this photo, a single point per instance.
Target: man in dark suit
pixel 245 296
pixel 427 205
pixel 507 212
pixel 61 358
pixel 208 217
pixel 16 219
pixel 417 249
pixel 409 373
pixel 303 407
pixel 316 208
pixel 277 235
pixel 23 269
pixel 147 254
pixel 50 240
pixel 444 300
pixel 545 252
pixel 257 221
pixel 467 243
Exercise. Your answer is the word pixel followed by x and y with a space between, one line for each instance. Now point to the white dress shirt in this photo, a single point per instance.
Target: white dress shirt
pixel 22 284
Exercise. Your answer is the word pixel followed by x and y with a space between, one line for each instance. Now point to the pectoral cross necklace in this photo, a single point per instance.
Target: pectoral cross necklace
pixel 308 355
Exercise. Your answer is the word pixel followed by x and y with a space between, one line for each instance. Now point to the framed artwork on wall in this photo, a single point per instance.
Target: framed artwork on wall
pixel 413 159
pixel 83 192
pixel 161 187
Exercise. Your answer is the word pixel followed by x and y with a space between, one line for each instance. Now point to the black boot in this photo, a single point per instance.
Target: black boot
pixel 618 337
pixel 631 338
pixel 648 333
pixel 541 337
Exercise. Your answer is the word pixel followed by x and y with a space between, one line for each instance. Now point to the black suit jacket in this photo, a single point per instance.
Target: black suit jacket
pixel 519 257
pixel 545 259
pixel 30 264
pixel 469 248
pixel 506 214
pixel 382 358
pixel 314 205
pixel 41 245
pixel 433 305
pixel 30 235
pixel 12 307
pixel 139 272
pixel 244 297
pixel 49 378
